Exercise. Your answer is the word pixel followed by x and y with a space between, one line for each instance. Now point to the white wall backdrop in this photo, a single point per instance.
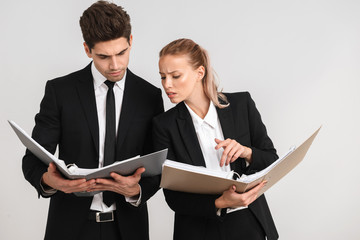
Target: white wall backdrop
pixel 299 59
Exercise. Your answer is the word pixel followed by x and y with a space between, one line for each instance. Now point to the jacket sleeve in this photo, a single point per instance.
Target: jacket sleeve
pixel 263 151
pixel 46 132
pixel 180 202
pixel 150 185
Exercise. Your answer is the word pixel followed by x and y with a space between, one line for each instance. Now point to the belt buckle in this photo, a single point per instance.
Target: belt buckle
pixel 99 219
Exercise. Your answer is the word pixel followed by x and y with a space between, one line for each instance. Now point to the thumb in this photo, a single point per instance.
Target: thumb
pixel 52 167
pixel 139 171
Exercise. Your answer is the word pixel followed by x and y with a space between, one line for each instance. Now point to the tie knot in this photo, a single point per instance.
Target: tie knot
pixel 110 84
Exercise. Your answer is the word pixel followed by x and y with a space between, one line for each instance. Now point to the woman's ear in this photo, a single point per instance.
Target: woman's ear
pixel 201 73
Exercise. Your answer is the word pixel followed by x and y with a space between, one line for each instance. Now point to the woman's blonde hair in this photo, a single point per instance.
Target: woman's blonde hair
pixel 198 57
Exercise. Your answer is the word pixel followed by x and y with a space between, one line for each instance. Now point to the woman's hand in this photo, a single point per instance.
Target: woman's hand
pixel 230 198
pixel 232 151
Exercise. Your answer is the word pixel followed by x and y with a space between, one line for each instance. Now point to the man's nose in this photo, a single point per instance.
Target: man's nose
pixel 113 63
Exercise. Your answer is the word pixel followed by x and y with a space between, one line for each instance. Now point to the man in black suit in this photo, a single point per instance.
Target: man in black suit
pixel 73 116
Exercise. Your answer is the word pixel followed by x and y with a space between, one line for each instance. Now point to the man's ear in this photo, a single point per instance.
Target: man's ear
pixel 130 40
pixel 87 50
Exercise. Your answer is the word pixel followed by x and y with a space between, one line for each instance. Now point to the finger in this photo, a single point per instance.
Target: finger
pixel 99 187
pixel 70 186
pixel 88 184
pixel 107 181
pixel 227 152
pixel 74 185
pixel 222 160
pixel 238 153
pixel 230 156
pixel 256 189
pixel 236 156
pixel 84 187
pixel 222 144
pixel 217 141
pixel 77 182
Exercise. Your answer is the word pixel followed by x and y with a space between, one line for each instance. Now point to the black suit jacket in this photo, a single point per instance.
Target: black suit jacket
pixel 240 121
pixel 68 119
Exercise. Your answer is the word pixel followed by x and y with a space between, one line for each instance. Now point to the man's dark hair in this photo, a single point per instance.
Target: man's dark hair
pixel 104 21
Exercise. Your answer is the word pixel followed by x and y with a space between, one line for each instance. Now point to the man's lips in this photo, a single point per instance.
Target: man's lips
pixel 115 73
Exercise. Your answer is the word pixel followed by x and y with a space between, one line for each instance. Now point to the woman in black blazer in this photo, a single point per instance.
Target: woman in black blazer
pixel 194 132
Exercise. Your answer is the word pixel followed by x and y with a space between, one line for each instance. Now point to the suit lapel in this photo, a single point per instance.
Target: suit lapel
pixel 85 88
pixel 128 109
pixel 188 135
pixel 226 121
pixel 228 126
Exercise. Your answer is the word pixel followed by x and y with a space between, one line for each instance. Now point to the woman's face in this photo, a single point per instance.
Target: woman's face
pixel 180 80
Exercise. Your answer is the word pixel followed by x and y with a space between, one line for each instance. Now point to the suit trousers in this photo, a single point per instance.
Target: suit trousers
pixel 93 230
pixel 237 225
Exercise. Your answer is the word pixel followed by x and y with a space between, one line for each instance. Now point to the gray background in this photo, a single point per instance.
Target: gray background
pixel 299 60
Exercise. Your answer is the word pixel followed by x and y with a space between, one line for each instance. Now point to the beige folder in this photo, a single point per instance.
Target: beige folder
pixel 193 179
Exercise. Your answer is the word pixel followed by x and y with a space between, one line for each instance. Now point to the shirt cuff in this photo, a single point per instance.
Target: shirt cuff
pixel 218 212
pixel 230 210
pixel 221 211
pixel 136 200
pixel 47 191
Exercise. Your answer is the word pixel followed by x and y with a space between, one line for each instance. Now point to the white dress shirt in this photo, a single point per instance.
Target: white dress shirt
pixel 101 89
pixel 207 130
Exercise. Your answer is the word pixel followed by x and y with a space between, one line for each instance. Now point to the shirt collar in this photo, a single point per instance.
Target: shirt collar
pixel 210 118
pixel 100 79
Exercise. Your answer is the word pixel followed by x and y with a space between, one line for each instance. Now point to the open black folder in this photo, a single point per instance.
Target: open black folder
pixel 152 162
pixel 194 179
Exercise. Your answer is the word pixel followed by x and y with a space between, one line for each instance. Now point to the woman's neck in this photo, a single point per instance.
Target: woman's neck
pixel 200 105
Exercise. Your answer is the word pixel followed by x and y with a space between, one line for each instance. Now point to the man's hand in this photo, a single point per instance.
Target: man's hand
pixel 232 151
pixel 55 180
pixel 126 186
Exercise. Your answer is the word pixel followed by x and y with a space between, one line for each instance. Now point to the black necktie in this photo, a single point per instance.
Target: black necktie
pixel 110 136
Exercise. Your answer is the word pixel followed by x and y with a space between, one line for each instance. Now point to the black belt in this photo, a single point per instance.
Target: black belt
pixel 102 216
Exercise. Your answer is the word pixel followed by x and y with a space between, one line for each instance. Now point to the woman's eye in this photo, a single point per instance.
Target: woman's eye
pixel 176 77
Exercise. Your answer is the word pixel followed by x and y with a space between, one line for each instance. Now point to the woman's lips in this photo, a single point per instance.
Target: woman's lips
pixel 170 94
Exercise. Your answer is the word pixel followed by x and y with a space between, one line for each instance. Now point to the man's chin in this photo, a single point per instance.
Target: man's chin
pixel 115 79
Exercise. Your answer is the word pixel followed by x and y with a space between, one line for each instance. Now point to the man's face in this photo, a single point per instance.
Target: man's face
pixel 111 58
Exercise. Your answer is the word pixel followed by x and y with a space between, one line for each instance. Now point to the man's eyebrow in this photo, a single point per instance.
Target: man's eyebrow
pixel 104 55
pixel 101 55
pixel 124 50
